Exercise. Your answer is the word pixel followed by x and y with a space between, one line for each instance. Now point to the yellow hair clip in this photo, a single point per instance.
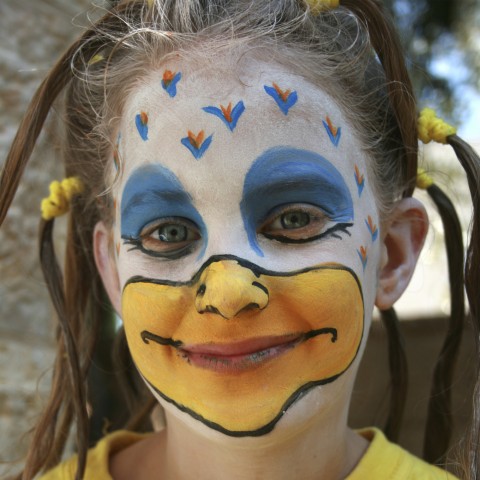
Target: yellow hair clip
pixel 423 179
pixel 95 59
pixel 430 127
pixel 61 193
pixel 318 6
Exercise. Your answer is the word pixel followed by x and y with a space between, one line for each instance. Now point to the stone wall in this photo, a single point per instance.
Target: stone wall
pixel 33 35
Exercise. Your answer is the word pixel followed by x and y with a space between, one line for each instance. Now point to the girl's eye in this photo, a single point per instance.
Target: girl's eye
pixel 294 219
pixel 172 237
pixel 296 224
pixel 172 233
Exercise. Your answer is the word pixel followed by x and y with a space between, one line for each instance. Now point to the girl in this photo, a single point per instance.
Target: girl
pixel 239 176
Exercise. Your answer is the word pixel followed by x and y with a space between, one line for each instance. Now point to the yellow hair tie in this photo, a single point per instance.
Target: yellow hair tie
pixel 61 193
pixel 95 59
pixel 318 6
pixel 430 127
pixel 423 179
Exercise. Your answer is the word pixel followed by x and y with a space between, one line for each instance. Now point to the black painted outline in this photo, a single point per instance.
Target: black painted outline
pixel 257 271
pixel 148 336
pixel 174 255
pixel 301 391
pixel 331 232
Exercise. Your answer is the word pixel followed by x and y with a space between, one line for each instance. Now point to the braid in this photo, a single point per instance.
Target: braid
pixel 439 421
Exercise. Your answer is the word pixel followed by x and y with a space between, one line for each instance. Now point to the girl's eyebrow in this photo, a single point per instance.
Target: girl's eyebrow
pixel 284 175
pixel 147 195
pixel 153 191
pixel 309 185
pixel 292 174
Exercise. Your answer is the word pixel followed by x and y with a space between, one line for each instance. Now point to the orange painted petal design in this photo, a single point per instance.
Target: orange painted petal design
pixel 372 228
pixel 333 129
pixel 227 112
pixel 358 175
pixel 283 94
pixel 363 255
pixel 168 76
pixel 196 140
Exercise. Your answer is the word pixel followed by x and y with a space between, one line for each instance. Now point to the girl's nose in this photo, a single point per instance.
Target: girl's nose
pixel 226 288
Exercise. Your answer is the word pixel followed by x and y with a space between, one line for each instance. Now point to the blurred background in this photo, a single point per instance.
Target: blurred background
pixel 442 40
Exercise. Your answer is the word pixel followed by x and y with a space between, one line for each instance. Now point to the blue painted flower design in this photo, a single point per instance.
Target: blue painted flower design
pixel 116 153
pixel 359 180
pixel 197 144
pixel 285 99
pixel 362 254
pixel 372 228
pixel 170 80
pixel 228 115
pixel 141 121
pixel 333 132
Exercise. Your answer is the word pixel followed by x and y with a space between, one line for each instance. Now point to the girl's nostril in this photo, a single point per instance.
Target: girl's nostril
pixel 201 290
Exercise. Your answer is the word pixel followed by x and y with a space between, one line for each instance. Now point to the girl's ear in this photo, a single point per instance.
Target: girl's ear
pixel 403 240
pixel 104 259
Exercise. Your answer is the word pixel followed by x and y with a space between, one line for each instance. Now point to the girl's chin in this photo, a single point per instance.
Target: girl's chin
pixel 322 407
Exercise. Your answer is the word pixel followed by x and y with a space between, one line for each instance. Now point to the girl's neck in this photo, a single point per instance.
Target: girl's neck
pixel 318 451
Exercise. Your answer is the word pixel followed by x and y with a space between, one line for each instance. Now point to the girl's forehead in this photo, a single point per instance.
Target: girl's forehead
pixel 206 123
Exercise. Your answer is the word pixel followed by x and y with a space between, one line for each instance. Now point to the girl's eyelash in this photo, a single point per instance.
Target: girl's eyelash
pixel 155 225
pixel 138 242
pixel 335 231
pixel 172 255
pixel 308 209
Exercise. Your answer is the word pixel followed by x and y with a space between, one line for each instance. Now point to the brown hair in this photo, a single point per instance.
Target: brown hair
pixel 353 52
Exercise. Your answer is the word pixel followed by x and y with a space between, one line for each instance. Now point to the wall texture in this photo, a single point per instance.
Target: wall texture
pixel 32 36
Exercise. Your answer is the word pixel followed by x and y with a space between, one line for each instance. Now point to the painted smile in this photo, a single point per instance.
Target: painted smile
pixel 237 356
pixel 239 369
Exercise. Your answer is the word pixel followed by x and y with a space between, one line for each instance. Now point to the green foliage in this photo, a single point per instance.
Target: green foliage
pixel 441 39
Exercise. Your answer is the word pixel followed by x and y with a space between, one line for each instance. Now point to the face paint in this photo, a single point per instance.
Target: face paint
pixel 141 122
pixel 197 144
pixel 334 133
pixel 310 178
pixel 362 254
pixel 237 338
pixel 285 99
pixel 150 190
pixel 228 116
pixel 372 228
pixel 245 275
pixel 116 154
pixel 169 82
pixel 359 180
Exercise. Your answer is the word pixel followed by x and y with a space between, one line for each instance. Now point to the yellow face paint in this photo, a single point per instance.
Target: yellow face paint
pixel 237 345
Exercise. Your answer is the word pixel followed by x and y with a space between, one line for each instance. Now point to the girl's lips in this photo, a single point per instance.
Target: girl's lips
pixel 244 347
pixel 233 357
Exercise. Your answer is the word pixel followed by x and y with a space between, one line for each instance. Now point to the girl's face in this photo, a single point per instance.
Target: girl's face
pixel 246 242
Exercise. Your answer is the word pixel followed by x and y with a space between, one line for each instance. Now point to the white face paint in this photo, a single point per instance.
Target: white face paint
pixel 215 182
pixel 227 184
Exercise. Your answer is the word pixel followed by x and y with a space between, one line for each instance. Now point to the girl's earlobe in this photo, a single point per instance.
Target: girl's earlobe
pixel 402 243
pixel 106 265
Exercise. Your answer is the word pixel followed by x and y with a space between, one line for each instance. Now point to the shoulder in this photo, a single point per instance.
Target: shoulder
pixel 385 460
pixel 98 457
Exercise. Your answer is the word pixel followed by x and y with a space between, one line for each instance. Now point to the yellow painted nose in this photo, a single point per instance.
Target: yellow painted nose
pixel 226 288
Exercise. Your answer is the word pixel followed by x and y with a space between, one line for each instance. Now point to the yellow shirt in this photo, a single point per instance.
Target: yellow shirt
pixel 383 460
